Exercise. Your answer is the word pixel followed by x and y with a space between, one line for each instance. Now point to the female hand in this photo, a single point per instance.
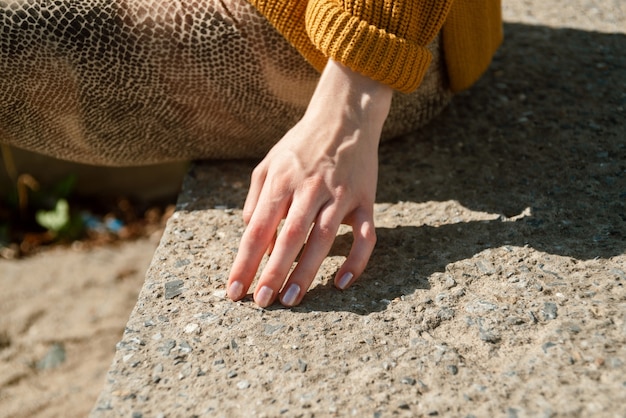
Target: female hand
pixel 321 174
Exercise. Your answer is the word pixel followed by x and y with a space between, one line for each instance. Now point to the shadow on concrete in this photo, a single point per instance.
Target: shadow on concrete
pixel 544 129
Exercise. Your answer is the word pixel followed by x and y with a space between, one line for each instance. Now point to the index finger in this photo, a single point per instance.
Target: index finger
pixel 256 238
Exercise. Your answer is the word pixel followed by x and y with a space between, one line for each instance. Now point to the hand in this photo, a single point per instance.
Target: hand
pixel 321 174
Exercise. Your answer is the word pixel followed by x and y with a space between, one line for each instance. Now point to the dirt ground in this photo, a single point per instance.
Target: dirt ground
pixel 73 303
pixel 498 286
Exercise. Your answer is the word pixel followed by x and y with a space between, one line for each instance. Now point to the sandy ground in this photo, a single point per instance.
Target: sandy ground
pixel 497 287
pixel 71 302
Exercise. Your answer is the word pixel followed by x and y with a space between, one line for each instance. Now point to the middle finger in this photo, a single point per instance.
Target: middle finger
pixel 290 240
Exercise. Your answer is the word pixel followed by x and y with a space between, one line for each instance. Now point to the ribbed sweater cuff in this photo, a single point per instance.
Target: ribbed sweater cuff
pixel 365 48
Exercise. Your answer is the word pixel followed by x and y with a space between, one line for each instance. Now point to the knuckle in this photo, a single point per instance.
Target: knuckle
pixel 256 232
pixel 340 193
pixel 295 231
pixel 247 215
pixel 272 275
pixel 258 172
pixel 326 232
pixel 370 236
pixel 313 184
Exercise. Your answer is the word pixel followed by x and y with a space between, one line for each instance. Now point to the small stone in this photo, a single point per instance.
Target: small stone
pixel 173 289
pixel 514 320
pixel 207 316
pixel 619 273
pixel 181 263
pixel 489 336
pixel 404 406
pixel 547 346
pixel 53 358
pixel 485 267
pixel 549 310
pixel 449 282
pixel 137 415
pixel 445 314
pixel 136 341
pixel 192 329
pixel 453 369
pixel 243 384
pixel 481 307
pixel 218 361
pixel 272 329
pixel 458 293
pixel 185 347
pixel 104 406
pixel 407 380
pixel 231 374
pixel 573 328
pixel 302 365
pixel 185 371
pixel 156 373
pixel 167 347
pixel 186 235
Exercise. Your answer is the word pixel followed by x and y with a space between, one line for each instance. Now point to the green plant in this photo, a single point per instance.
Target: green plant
pixel 29 208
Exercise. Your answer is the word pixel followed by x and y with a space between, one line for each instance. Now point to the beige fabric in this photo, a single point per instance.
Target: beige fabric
pixel 142 81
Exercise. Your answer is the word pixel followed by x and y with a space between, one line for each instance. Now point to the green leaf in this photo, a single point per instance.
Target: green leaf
pixel 57 219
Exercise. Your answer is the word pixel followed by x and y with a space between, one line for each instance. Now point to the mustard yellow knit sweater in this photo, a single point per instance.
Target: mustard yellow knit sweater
pixel 386 39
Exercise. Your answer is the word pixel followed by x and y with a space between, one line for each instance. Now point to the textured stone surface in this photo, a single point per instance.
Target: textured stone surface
pixel 497 287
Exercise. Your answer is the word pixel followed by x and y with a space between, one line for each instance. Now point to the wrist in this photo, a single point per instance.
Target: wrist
pixel 357 98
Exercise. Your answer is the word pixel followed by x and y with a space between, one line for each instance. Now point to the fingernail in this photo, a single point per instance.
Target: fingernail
pixel 264 296
pixel 235 290
pixel 345 280
pixel 291 295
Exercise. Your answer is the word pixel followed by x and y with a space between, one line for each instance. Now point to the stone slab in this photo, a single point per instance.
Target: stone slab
pixel 497 287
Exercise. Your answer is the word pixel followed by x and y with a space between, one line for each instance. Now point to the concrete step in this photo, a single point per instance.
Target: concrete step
pixel 497 286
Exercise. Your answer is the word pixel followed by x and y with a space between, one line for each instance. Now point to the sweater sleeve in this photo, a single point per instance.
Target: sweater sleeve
pixel 383 39
pixel 471 35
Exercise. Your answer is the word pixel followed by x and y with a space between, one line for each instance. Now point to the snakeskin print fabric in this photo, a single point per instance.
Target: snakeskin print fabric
pixel 133 82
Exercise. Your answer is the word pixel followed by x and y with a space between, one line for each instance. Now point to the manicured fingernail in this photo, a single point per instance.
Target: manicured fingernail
pixel 291 295
pixel 235 290
pixel 264 296
pixel 345 280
